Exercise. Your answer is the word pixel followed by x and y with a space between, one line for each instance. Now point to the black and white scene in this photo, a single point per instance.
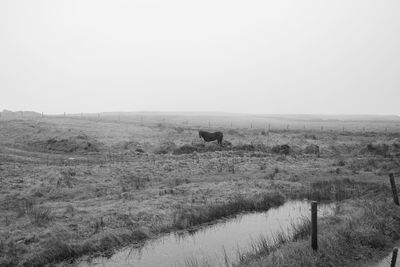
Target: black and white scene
pixel 149 133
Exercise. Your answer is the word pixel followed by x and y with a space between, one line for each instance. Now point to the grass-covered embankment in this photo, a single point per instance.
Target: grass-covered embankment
pixel 358 232
pixel 56 248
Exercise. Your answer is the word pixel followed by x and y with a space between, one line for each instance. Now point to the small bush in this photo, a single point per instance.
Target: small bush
pixel 378 149
pixel 281 149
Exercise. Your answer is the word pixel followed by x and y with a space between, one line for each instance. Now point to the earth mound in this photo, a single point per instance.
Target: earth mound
pixel 79 143
pixel 281 149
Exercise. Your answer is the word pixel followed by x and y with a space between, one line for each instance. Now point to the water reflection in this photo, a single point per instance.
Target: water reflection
pixel 386 262
pixel 215 243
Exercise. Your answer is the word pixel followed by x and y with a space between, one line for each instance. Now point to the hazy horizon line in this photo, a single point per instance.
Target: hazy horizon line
pixel 209 112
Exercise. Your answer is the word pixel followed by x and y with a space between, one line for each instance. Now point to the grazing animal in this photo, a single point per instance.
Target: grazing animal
pixel 208 137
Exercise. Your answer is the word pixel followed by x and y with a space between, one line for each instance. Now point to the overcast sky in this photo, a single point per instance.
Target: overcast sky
pixel 322 57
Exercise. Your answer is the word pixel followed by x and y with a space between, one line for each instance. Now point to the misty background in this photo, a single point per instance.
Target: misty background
pixel 321 57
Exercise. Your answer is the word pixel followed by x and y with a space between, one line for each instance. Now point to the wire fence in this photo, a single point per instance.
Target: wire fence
pixel 266 124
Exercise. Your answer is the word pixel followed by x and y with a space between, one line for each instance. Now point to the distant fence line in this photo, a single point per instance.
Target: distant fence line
pixel 266 126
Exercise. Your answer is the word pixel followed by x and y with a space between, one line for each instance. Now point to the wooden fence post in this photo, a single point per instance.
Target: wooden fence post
pixel 394 189
pixel 314 226
pixel 394 257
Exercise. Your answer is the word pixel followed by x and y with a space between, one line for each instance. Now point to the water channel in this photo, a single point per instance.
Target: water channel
pixel 212 243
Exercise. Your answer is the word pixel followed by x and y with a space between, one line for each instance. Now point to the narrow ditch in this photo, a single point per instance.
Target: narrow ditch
pixel 216 243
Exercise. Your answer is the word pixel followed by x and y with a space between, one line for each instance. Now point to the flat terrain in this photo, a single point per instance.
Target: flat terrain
pixel 73 186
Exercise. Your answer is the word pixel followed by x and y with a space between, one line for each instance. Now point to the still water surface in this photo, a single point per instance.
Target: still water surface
pixel 386 262
pixel 215 241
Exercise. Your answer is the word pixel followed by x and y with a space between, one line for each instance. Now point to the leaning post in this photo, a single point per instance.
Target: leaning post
pixel 394 257
pixel 394 189
pixel 314 226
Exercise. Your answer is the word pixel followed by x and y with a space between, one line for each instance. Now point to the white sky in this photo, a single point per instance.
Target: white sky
pixel 325 57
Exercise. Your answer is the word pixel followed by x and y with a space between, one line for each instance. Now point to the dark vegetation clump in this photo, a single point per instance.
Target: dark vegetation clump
pixel 340 162
pixel 80 143
pixel 339 189
pixel 312 149
pixel 212 147
pixel 281 149
pixel 310 136
pixel 378 149
pixel 387 149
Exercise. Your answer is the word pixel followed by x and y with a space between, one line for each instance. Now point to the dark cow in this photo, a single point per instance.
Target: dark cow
pixel 208 137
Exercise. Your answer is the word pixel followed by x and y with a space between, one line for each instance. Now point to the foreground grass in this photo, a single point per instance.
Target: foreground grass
pixel 60 246
pixel 351 237
pixel 54 209
pixel 56 249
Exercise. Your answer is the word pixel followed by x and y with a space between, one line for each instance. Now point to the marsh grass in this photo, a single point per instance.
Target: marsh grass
pixel 334 190
pixel 56 249
pixel 10 251
pixel 39 215
pixel 192 215
pixel 21 206
pixel 343 239
pixel 259 247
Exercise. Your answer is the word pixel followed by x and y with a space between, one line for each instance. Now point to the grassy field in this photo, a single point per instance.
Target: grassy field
pixel 72 186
